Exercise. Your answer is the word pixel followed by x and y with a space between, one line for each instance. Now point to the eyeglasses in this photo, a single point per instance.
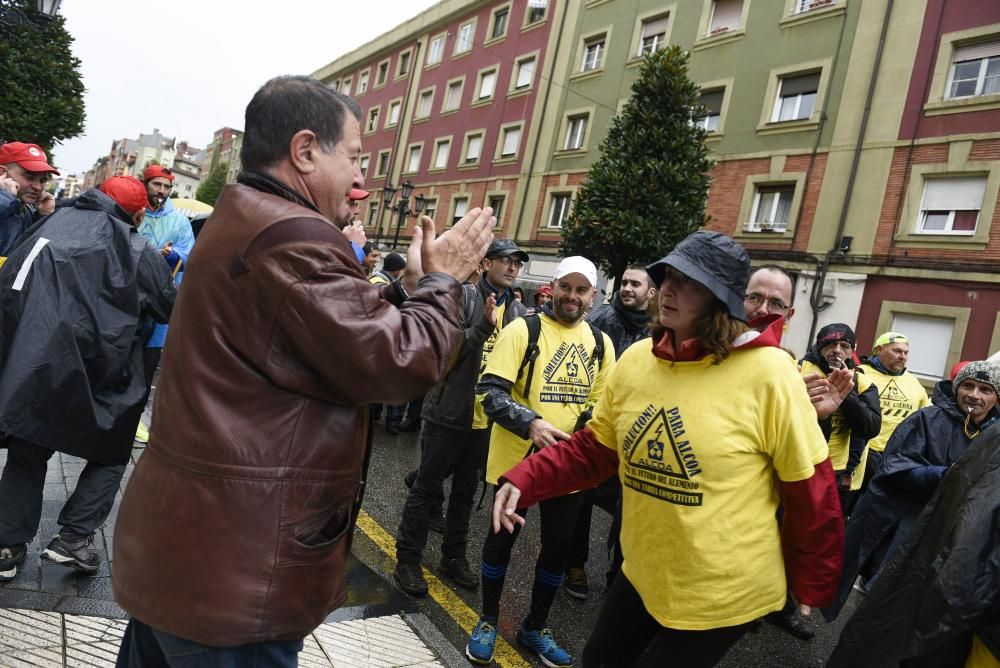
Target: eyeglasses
pixel 510 261
pixel 773 304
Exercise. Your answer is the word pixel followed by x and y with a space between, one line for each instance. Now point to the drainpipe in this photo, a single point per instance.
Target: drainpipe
pixel 816 297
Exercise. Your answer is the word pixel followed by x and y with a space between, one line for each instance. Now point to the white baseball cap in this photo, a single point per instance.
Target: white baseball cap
pixel 577 264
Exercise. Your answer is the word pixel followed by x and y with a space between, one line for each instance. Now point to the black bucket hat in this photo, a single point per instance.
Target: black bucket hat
pixel 714 260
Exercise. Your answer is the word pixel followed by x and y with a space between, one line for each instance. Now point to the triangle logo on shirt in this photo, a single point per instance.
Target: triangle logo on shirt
pixel 654 448
pixel 892 392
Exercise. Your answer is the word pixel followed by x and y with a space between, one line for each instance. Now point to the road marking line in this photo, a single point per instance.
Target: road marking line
pixel 503 655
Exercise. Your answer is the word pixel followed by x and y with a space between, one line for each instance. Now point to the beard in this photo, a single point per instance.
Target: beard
pixel 563 315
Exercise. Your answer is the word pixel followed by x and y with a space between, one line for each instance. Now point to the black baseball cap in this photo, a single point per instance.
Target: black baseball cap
pixel 505 248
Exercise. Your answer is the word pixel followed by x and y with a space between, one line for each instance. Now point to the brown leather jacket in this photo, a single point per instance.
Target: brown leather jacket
pixel 238 518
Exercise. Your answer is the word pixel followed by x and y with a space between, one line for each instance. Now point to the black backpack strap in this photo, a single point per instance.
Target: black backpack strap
pixel 534 324
pixel 598 344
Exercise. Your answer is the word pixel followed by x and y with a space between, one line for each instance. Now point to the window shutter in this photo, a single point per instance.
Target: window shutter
pixel 977 51
pixel 954 194
pixel 726 14
pixel 655 27
pixel 806 83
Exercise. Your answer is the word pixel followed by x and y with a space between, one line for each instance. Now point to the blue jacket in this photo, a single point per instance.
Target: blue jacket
pixel 158 227
pixel 15 218
pixel 168 224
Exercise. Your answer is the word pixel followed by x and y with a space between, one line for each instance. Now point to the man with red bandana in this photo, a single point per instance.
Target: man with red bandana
pixel 74 296
pixel 24 171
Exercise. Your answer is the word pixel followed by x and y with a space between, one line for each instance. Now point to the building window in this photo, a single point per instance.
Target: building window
pixel 382 73
pixel 536 10
pixel 436 50
pixel 346 90
pixel 930 342
pixel 382 168
pixel 372 124
pixel 363 82
pixel 593 55
pixel 430 208
pixel 511 141
pixel 463 42
pixel 363 164
pixel 441 151
pixel 951 205
pixel 712 101
pixel 461 208
pixel 772 207
pixel 473 149
pixel 487 84
pixel 413 159
pixel 726 16
pixel 394 109
pixel 495 202
pixel 525 73
pixel 654 35
pixel 500 18
pixel 809 5
pixel 576 130
pixel 404 64
pixel 559 210
pixel 975 70
pixel 453 97
pixel 372 213
pixel 796 97
pixel 424 104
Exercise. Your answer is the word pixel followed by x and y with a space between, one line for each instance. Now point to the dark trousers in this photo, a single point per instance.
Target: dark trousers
pixel 873 462
pixel 395 414
pixel 558 519
pixel 146 647
pixel 23 484
pixel 625 635
pixel 606 496
pixel 443 452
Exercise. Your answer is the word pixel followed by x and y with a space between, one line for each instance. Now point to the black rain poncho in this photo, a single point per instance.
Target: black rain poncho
pixel 76 296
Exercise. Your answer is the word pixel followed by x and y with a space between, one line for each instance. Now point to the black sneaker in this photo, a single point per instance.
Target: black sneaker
pixel 11 557
pixel 792 624
pixel 576 583
pixel 458 570
pixel 410 478
pixel 74 553
pixel 410 579
pixel 409 424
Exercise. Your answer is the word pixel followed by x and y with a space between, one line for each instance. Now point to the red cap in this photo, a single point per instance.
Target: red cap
pixel 958 367
pixel 545 290
pixel 127 191
pixel 357 194
pixel 157 171
pixel 30 156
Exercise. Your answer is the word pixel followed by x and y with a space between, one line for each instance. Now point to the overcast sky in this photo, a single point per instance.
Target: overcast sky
pixel 189 67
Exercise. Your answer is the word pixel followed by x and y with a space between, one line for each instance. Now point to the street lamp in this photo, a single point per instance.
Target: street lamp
pixel 402 208
pixel 12 15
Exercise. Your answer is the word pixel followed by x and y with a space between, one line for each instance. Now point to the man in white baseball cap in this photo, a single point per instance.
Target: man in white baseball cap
pixel 545 373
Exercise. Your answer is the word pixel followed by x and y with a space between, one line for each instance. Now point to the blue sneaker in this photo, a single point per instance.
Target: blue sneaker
pixel 480 647
pixel 544 645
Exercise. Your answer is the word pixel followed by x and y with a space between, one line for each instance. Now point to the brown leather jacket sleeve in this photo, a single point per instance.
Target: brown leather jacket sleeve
pixel 335 338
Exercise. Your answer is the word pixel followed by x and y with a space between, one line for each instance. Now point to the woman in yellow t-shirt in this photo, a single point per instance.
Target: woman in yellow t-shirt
pixel 700 421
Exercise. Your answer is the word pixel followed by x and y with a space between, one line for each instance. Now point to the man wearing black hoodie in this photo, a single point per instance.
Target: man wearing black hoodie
pixel 625 320
pixel 78 297
pixel 859 416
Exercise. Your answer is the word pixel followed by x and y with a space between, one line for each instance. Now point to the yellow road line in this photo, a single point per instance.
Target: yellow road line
pixel 504 655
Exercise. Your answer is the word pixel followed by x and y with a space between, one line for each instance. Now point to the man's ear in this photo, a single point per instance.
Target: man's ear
pixel 484 264
pixel 302 151
pixel 3 171
pixel 137 218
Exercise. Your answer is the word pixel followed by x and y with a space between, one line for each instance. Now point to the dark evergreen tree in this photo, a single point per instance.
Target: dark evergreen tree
pixel 41 97
pixel 647 191
pixel 211 188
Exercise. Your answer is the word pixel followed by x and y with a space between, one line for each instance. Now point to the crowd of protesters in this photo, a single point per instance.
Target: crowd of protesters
pixel 812 479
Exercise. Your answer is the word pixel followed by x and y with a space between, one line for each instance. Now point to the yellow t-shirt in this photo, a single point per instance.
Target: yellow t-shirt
pixel 899 396
pixel 840 434
pixel 700 446
pixel 479 419
pixel 981 656
pixel 2 260
pixel 377 279
pixel 565 383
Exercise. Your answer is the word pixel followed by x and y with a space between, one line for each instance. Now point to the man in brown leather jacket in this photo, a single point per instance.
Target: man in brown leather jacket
pixel 233 532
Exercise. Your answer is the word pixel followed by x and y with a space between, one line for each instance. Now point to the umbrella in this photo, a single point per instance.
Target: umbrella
pixel 191 207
